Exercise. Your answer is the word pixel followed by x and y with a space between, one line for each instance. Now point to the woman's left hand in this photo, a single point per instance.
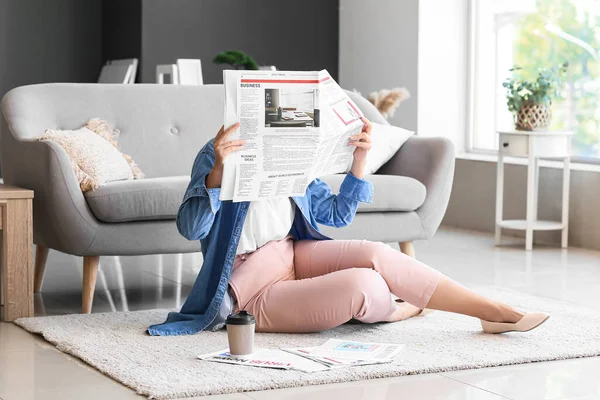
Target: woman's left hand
pixel 362 142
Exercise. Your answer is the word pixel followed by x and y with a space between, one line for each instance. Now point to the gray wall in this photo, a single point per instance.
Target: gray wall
pixel 49 41
pixel 122 29
pixel 379 45
pixel 285 33
pixel 68 40
pixel 473 201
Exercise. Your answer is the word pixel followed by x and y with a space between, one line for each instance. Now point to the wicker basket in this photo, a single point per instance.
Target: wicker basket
pixel 533 117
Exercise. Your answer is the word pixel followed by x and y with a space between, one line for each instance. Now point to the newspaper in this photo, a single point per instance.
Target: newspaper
pixel 335 352
pixel 267 358
pixel 332 354
pixel 296 125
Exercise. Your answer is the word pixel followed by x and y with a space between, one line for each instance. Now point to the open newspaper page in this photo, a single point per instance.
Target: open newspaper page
pixel 333 354
pixel 341 120
pixel 267 358
pixel 296 126
pixel 275 118
pixel 336 353
pixel 276 114
pixel 231 81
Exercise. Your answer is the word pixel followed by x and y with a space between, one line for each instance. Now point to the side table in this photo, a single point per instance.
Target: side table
pixel 16 278
pixel 533 145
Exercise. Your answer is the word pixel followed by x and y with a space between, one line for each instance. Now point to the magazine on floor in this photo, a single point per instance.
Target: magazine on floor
pixel 332 354
pixel 296 124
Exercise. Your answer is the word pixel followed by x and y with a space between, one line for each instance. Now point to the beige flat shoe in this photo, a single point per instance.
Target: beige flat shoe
pixel 528 322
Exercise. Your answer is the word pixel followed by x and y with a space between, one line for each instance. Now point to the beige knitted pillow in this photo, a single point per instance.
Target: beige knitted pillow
pixel 95 155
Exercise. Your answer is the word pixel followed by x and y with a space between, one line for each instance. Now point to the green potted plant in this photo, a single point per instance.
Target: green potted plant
pixel 530 100
pixel 237 59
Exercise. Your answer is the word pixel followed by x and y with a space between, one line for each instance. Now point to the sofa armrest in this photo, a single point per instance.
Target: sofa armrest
pixel 62 219
pixel 431 162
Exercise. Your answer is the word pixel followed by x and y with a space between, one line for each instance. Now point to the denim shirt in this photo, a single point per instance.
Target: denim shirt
pixel 218 226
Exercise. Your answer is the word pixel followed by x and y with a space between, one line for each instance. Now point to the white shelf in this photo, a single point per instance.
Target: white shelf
pixel 521 224
pixel 536 133
pixel 534 146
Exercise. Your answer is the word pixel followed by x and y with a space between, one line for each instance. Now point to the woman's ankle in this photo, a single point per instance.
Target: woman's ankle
pixel 504 314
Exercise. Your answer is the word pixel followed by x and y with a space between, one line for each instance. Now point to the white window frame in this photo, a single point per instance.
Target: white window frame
pixel 472 82
pixel 472 100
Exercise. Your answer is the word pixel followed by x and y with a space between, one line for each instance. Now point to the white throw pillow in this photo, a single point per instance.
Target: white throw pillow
pixel 94 154
pixel 386 141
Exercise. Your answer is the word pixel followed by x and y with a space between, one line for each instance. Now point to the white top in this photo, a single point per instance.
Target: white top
pixel 266 220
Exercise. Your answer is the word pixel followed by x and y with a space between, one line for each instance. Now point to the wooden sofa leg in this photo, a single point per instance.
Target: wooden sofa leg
pixel 41 255
pixel 90 271
pixel 408 248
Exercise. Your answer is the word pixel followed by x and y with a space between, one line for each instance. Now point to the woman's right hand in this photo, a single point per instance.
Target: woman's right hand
pixel 222 149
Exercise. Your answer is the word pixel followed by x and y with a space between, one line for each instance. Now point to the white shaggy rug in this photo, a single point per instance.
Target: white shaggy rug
pixel 167 367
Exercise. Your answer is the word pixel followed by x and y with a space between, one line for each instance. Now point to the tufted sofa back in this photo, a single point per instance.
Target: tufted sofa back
pixel 161 126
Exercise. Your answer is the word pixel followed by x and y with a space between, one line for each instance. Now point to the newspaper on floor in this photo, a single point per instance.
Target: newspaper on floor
pixel 267 358
pixel 332 354
pixel 296 125
pixel 336 352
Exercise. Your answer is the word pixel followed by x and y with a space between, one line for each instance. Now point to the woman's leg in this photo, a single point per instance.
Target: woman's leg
pixel 453 297
pixel 407 278
pixel 321 303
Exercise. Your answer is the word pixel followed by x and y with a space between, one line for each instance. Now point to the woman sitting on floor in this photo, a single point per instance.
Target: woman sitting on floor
pixel 269 258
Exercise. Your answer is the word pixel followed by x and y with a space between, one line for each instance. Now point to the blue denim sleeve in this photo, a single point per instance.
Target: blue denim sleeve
pixel 339 210
pixel 200 204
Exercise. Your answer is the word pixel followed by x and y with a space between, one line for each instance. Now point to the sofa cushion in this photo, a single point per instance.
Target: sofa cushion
pixel 138 200
pixel 390 192
pixel 159 198
pixel 95 157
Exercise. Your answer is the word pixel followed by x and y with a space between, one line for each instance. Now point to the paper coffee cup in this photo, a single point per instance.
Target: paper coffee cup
pixel 240 333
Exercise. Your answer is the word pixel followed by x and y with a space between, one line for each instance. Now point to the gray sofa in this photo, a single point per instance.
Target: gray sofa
pixel 163 127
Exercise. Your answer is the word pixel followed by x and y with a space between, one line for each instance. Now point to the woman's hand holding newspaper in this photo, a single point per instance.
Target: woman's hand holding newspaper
pixel 362 142
pixel 222 149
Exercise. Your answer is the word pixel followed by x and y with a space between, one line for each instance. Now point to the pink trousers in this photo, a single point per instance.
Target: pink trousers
pixel 310 285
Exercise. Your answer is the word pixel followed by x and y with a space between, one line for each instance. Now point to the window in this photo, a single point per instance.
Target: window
pixel 302 100
pixel 535 34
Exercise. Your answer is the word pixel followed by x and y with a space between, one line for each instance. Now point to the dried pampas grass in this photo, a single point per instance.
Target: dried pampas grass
pixel 388 100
